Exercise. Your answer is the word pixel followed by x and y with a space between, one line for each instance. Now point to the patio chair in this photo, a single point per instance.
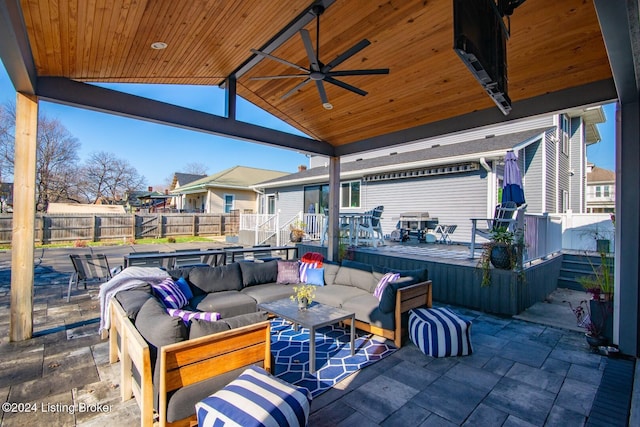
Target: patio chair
pixel 214 260
pixel 89 268
pixel 182 261
pixel 369 229
pixel 505 216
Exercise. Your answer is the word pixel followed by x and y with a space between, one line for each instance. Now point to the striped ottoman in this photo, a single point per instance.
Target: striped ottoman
pixel 439 332
pixel 255 398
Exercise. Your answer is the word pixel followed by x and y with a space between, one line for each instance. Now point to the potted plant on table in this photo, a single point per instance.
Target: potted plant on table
pixel 303 295
pixel 500 252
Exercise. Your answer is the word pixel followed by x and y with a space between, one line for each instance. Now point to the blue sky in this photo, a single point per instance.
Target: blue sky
pixel 157 151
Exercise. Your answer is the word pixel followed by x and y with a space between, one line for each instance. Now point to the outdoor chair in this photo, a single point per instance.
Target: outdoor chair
pixel 89 268
pixel 214 260
pixel 505 217
pixel 144 262
pixel 369 229
pixel 182 261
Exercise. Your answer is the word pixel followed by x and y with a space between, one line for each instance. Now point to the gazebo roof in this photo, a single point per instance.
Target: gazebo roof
pixel 556 60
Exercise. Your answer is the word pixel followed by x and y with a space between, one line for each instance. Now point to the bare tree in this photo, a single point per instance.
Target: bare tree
pixel 196 168
pixel 105 176
pixel 57 157
pixel 7 140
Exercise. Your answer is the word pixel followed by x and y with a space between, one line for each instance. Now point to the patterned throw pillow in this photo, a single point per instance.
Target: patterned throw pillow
pixel 170 294
pixel 288 272
pixel 384 281
pixel 304 266
pixel 187 316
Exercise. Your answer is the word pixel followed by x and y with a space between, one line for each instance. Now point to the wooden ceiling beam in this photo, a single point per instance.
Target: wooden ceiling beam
pixel 15 50
pixel 68 92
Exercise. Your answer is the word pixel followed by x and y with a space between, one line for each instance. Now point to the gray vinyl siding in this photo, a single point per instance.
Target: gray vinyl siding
pixel 576 183
pixel 289 201
pixel 553 200
pixel 533 178
pixel 453 199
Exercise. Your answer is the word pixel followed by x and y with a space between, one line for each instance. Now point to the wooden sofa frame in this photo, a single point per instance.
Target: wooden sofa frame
pixel 412 296
pixel 181 364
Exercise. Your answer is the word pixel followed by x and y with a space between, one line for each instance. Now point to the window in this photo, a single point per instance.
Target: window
pixel 565 131
pixel 271 204
pixel 598 191
pixel 606 191
pixel 228 202
pixel 316 196
pixel 565 201
pixel 350 194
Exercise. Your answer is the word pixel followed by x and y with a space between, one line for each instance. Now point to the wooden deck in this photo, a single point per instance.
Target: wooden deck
pixel 457 278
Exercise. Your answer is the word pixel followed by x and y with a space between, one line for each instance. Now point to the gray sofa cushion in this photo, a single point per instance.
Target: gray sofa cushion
pixel 215 279
pixel 330 272
pixel 132 300
pixel 268 292
pixel 367 310
pixel 227 303
pixel 201 328
pixel 336 295
pixel 181 403
pixel 257 273
pixel 348 276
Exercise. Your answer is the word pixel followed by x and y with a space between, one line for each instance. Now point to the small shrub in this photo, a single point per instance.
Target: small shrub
pixel 131 241
pixel 80 244
pixel 171 239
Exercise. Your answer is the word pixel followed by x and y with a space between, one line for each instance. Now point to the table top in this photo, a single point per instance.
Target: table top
pixel 316 315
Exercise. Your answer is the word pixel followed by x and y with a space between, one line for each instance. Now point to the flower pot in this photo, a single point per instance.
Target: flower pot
pixel 303 303
pixel 501 256
pixel 295 237
pixel 595 342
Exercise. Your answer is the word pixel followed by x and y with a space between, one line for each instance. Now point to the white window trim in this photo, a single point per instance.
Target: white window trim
pixel 224 201
pixel 359 197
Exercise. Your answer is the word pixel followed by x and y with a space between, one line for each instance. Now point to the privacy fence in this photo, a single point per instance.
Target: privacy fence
pixel 51 228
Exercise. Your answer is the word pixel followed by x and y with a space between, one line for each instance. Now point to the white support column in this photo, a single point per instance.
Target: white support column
pixel 24 209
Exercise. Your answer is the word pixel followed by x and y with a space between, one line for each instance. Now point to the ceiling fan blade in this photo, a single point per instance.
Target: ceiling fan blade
pixel 346 55
pixel 344 85
pixel 284 76
pixel 295 89
pixel 322 92
pixel 359 72
pixel 282 61
pixel 306 39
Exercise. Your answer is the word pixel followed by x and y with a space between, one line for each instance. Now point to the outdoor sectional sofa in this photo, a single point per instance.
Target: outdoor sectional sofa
pixel 169 365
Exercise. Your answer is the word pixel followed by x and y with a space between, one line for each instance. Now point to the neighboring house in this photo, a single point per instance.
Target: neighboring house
pixel 180 180
pixel 150 201
pixel 224 191
pixel 453 178
pixel 601 190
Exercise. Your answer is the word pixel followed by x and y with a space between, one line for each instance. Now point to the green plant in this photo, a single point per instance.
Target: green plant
pixel 303 291
pixel 500 238
pixel 80 244
pixel 171 239
pixel 600 284
pixel 297 229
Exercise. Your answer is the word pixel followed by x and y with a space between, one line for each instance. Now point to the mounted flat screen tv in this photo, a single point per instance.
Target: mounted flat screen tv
pixel 479 39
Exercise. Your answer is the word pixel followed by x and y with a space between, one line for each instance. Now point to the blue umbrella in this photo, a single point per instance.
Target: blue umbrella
pixel 512 186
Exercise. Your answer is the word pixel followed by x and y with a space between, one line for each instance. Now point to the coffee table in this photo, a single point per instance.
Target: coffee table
pixel 315 316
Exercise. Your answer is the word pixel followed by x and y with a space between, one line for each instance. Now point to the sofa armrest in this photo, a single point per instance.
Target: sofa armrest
pixel 408 297
pixel 192 361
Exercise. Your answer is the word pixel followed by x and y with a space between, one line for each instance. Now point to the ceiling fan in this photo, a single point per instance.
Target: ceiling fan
pixel 317 71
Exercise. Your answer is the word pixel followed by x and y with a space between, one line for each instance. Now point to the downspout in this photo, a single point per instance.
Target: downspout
pixel 490 185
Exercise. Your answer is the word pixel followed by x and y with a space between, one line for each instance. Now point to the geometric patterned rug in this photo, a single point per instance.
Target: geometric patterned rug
pixel 290 351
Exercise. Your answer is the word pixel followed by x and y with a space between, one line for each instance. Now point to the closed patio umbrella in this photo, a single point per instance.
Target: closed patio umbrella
pixel 512 187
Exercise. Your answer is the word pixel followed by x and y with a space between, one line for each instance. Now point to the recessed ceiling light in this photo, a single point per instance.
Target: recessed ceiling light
pixel 327 106
pixel 158 45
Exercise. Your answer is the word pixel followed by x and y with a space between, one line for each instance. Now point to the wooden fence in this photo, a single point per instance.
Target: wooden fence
pixel 51 228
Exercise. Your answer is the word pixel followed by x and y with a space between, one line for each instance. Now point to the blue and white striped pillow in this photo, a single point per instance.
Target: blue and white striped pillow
pixel 255 398
pixel 384 281
pixel 187 316
pixel 304 266
pixel 170 294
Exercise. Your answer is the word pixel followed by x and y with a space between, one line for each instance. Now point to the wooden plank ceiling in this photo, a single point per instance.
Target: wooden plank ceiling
pixel 554 45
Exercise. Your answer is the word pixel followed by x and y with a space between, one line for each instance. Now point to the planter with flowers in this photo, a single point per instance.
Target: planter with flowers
pixel 303 295
pixel 297 232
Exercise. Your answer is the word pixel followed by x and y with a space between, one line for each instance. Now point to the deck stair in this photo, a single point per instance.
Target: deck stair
pixel 575 265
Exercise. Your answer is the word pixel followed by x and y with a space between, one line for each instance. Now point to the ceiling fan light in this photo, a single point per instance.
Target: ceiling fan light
pixel 327 105
pixel 158 45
